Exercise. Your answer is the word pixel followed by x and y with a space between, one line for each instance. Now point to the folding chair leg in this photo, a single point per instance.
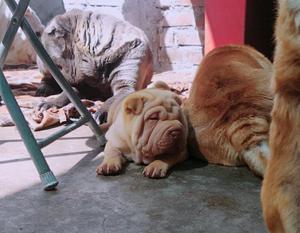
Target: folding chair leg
pixel 34 148
pixel 11 31
pixel 47 177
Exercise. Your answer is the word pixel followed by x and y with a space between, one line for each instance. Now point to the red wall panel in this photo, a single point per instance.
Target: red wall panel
pixel 224 22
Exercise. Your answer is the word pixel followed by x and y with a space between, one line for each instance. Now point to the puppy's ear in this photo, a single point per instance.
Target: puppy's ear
pixel 162 85
pixel 134 104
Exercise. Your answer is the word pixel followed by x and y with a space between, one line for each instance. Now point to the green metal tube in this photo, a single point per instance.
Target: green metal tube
pixel 46 141
pixel 48 179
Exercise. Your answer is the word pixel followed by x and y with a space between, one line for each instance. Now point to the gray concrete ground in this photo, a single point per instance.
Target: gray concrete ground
pixel 194 198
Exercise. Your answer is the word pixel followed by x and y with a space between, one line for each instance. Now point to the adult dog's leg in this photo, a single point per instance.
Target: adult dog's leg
pixel 59 101
pixel 48 87
pixel 281 185
pixel 133 72
pixel 280 191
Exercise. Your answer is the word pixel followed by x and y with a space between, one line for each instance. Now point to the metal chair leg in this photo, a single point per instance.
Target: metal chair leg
pixel 11 32
pixel 47 177
pixel 34 148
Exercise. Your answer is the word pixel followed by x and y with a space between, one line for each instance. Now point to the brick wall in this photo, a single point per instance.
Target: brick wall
pixel 175 28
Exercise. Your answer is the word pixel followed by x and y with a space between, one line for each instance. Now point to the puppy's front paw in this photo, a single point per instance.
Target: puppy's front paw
pixel 156 169
pixel 110 166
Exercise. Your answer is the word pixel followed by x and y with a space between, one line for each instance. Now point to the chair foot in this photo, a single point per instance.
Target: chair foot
pixel 49 181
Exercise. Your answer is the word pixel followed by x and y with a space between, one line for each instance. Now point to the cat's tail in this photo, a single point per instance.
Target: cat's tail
pixel 250 137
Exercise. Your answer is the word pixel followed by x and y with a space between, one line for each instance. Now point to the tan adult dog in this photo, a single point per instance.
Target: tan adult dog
pixel 281 186
pixel 148 127
pixel 229 108
pixel 21 51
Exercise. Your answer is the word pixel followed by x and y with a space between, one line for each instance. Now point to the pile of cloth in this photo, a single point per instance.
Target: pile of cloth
pixel 24 84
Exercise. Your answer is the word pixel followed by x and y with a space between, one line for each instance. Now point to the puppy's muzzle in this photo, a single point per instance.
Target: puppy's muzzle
pixel 169 135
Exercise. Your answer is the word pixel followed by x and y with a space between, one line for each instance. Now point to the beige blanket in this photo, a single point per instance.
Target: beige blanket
pixel 51 117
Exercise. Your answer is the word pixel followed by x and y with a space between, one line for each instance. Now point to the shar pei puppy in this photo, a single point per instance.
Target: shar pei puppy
pixel 149 128
pixel 102 58
pixel 229 108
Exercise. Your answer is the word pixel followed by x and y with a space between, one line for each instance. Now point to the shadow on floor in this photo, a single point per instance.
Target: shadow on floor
pixel 194 198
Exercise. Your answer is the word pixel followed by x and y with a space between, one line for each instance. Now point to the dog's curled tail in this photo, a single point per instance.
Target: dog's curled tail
pixel 249 135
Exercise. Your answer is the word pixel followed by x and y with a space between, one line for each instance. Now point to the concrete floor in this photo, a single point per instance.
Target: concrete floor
pixel 195 197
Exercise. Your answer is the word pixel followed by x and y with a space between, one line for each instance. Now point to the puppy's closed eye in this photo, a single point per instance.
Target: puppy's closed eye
pixel 154 116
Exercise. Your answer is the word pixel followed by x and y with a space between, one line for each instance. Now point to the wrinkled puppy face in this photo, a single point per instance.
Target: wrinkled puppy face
pixel 56 39
pixel 153 120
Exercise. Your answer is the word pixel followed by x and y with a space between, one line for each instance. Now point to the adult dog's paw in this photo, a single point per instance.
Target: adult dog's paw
pixel 46 90
pixel 156 169
pixel 110 166
pixel 44 105
pixel 100 116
